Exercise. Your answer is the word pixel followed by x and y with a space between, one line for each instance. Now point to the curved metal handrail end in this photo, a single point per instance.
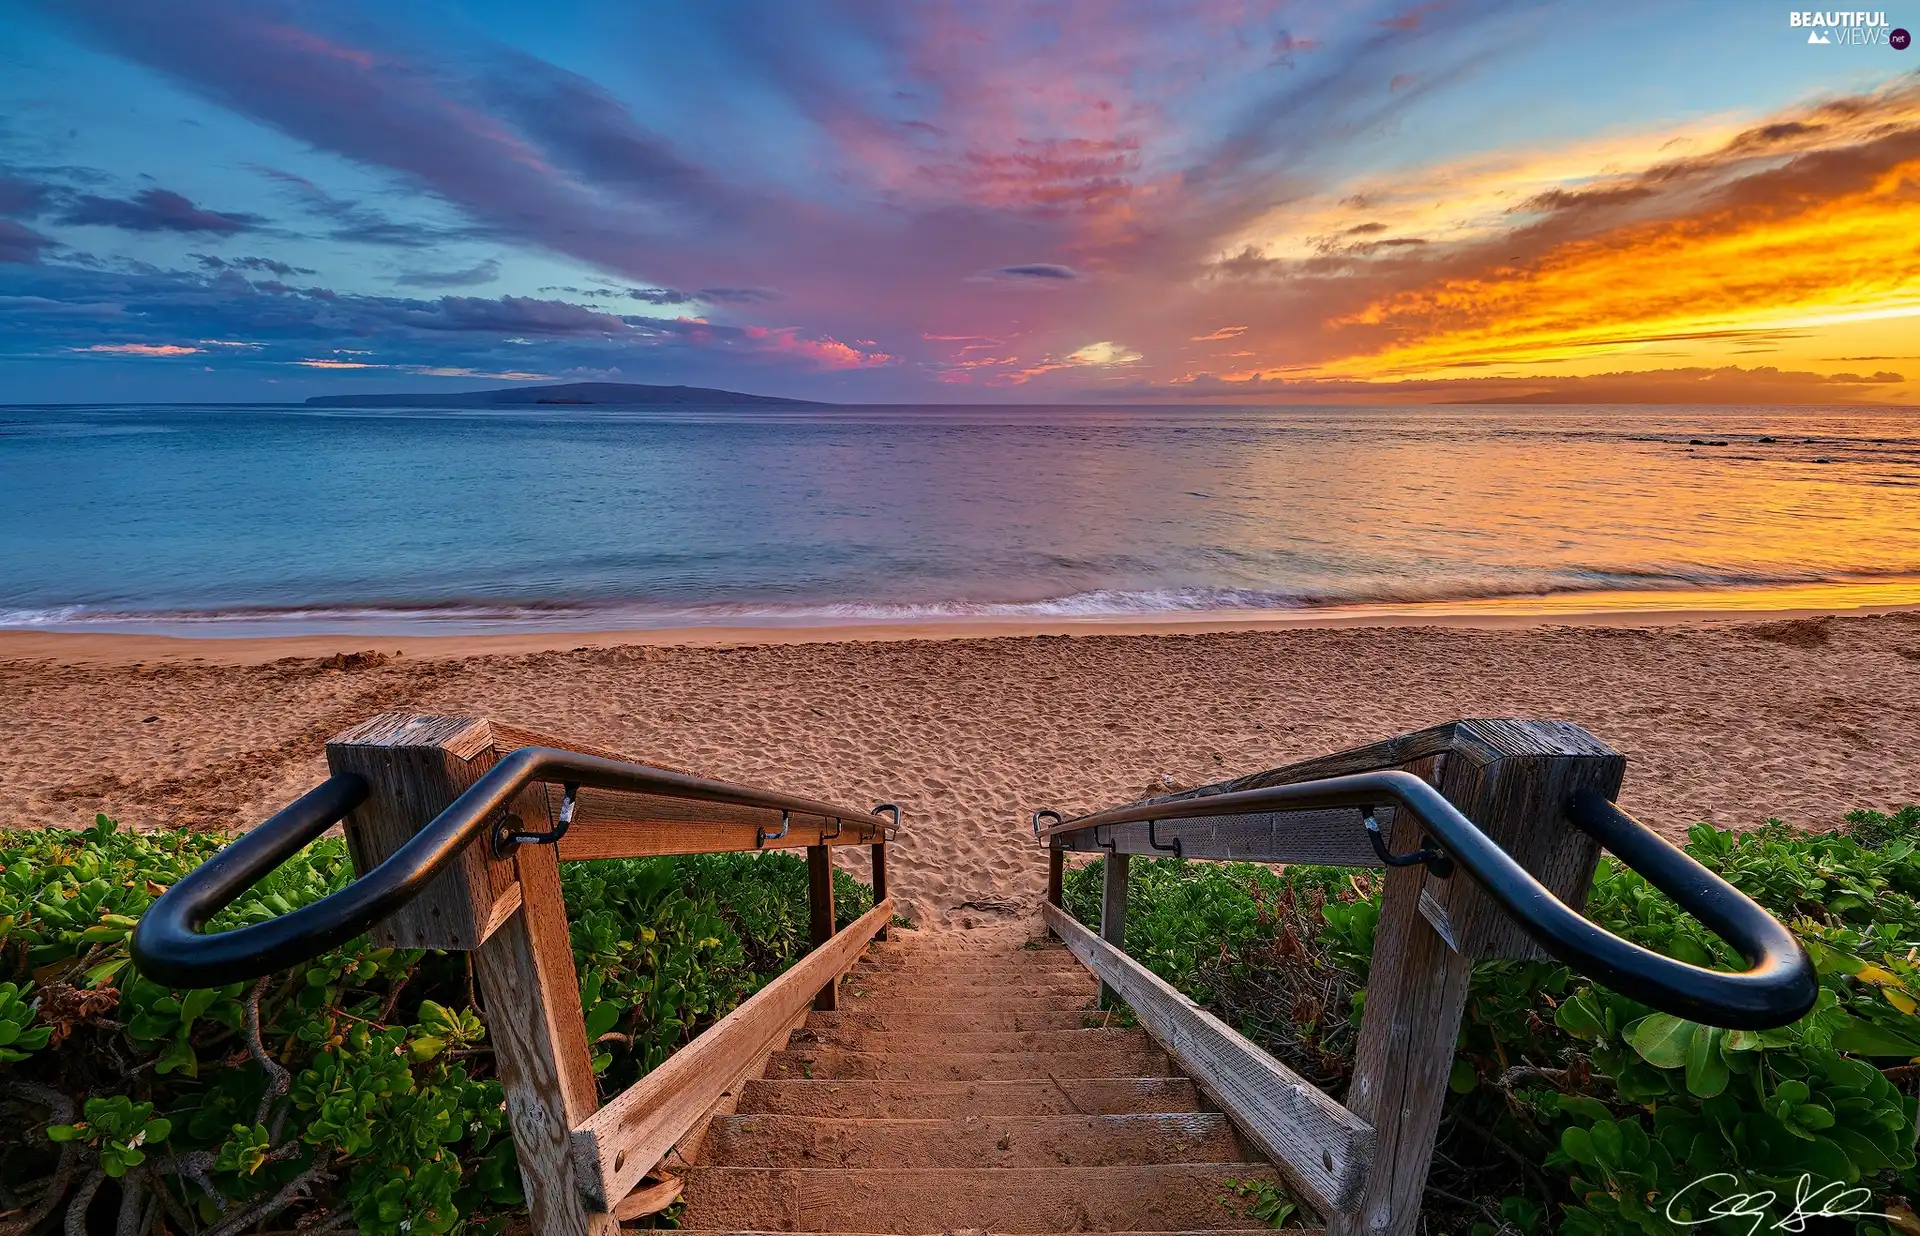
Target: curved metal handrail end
pixel 1778 988
pixel 171 925
pixel 169 948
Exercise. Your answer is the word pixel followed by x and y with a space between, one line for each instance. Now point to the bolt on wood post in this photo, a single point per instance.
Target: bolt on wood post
pixel 880 880
pixel 506 911
pixel 820 912
pixel 1113 915
pixel 1512 779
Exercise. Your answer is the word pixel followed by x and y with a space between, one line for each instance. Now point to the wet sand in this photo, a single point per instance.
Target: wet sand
pixel 1730 721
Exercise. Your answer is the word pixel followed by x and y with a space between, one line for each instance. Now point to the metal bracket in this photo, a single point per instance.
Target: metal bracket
pixel 1154 841
pixel 1438 864
pixel 1057 819
pixel 1112 847
pixel 839 826
pixel 507 833
pixel 761 836
pixel 892 828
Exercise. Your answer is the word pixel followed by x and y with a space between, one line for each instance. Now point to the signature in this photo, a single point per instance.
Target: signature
pixel 1833 1200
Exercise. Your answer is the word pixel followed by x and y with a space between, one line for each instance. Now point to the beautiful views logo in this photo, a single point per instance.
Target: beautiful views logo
pixel 1860 29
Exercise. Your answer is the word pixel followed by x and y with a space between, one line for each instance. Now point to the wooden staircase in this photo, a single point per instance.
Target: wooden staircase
pixel 969 1082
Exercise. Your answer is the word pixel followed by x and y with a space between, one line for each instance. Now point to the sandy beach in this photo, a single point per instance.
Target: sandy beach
pixel 1730 721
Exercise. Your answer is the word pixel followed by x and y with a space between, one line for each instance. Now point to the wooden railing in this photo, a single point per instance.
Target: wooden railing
pixel 1489 853
pixel 482 875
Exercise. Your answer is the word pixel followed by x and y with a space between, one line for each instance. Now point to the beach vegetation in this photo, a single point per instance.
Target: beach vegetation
pixel 1573 1108
pixel 355 1092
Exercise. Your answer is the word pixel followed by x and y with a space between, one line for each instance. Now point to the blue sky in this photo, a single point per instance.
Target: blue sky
pixel 956 202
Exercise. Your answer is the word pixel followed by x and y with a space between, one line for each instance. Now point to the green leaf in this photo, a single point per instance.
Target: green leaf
pixel 1662 1040
pixel 1859 1037
pixel 1461 1079
pixel 1707 1071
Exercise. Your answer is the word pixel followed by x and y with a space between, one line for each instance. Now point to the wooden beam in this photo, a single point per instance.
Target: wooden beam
pixel 598 833
pixel 1512 779
pixel 1332 838
pixel 614 1147
pixel 1321 1148
pixel 532 996
pixel 820 917
pixel 417 765
pixel 1056 875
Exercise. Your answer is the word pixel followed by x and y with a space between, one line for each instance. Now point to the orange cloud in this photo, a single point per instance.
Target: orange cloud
pixel 1787 236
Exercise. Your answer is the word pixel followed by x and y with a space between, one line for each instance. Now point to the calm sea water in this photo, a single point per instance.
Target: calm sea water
pixel 234 517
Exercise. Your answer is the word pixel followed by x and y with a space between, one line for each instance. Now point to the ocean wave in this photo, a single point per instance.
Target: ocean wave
pixel 1094 604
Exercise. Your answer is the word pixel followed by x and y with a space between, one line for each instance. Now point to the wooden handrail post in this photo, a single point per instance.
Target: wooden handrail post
pixel 1113 914
pixel 1512 778
pixel 820 913
pixel 880 879
pixel 508 912
pixel 1056 881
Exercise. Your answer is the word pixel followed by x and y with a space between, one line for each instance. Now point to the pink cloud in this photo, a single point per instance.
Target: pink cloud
pixel 140 349
pixel 827 353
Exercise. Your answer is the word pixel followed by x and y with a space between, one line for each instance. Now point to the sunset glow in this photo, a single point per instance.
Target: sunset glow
pixel 1253 203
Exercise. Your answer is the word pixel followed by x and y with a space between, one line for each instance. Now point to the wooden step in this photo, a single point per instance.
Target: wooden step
pixel 997 1042
pixel 972 1141
pixel 1002 1021
pixel 1155 1198
pixel 959 992
pixel 880 1100
pixel 854 1000
pixel 1050 964
pixel 836 1064
pixel 960 996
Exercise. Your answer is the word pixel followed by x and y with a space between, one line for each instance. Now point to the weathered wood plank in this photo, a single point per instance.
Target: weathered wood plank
pixel 1113 913
pixel 1321 1148
pixel 417 765
pixel 820 917
pixel 603 830
pixel 614 1147
pixel 1332 838
pixel 880 878
pixel 532 995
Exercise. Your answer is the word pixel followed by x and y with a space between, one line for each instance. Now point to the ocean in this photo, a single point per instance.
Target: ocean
pixel 263 519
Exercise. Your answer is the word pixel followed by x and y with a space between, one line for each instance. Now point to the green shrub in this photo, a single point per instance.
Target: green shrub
pixel 1607 1108
pixel 357 1088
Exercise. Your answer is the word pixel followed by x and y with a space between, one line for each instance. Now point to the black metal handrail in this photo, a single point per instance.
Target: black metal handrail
pixel 1778 986
pixel 169 948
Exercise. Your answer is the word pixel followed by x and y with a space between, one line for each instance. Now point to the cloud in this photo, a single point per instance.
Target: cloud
pixel 516 315
pixel 20 243
pixel 825 353
pixel 712 296
pixel 268 265
pixel 1039 270
pixel 473 276
pixel 1225 332
pixel 1692 385
pixel 21 198
pixel 140 349
pixel 154 210
pixel 1103 353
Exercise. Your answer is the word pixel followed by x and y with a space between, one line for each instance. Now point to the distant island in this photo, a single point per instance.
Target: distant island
pixel 575 393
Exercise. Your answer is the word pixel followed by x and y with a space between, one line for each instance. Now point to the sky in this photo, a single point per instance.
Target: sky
pixel 871 201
